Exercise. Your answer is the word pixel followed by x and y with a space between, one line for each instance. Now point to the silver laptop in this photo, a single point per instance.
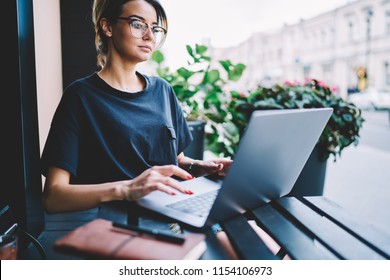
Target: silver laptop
pixel 272 152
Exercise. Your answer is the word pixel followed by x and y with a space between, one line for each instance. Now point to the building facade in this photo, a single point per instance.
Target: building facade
pixel 347 48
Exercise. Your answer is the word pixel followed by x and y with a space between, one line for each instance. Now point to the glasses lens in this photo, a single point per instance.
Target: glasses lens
pixel 159 35
pixel 138 28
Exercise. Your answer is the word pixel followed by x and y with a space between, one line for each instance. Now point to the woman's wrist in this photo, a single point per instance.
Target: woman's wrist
pixel 118 192
pixel 192 167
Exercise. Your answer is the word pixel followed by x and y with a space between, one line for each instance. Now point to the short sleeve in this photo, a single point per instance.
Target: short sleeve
pixel 62 144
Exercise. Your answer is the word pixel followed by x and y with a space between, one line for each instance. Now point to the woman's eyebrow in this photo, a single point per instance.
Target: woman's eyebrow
pixel 137 16
pixel 142 18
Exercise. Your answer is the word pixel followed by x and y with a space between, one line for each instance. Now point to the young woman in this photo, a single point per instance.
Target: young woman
pixel 118 134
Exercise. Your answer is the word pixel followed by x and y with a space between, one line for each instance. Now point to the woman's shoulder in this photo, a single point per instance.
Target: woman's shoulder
pixel 83 81
pixel 156 81
pixel 80 85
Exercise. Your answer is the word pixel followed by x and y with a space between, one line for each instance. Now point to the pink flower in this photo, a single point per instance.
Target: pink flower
pixel 296 83
pixel 243 94
pixel 322 84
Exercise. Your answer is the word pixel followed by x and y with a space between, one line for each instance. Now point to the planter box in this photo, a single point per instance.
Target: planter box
pixel 196 149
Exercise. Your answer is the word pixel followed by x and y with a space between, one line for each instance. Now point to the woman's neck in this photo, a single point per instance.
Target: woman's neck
pixel 123 79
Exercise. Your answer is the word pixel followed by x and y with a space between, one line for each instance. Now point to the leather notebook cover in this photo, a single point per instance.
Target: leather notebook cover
pixel 98 239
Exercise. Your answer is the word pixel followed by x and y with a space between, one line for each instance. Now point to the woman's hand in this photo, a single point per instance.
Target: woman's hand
pixel 209 167
pixel 156 178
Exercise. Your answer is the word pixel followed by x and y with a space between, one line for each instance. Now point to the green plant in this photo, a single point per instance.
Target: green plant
pixel 204 94
pixel 198 86
pixel 202 91
pixel 341 130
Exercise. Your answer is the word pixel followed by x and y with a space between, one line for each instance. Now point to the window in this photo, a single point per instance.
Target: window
pixel 387 22
pixel 327 71
pixel 351 26
pixel 307 71
pixel 323 38
pixel 351 31
pixel 387 73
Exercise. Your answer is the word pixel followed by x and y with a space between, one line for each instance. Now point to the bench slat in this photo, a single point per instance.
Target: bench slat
pixel 294 241
pixel 327 232
pixel 246 241
pixel 366 232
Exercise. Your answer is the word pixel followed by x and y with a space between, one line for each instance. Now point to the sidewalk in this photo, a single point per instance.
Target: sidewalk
pixel 360 180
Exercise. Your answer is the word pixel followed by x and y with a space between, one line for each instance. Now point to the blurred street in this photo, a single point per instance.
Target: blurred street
pixel 360 180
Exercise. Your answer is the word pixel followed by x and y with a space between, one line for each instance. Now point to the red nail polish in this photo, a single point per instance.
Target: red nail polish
pixel 190 177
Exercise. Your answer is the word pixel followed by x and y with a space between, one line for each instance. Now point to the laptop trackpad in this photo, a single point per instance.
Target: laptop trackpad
pixel 197 186
pixel 201 184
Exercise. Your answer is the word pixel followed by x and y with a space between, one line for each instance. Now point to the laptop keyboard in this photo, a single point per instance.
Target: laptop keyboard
pixel 199 205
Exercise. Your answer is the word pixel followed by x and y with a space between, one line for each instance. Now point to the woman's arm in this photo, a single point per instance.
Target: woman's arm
pixel 61 196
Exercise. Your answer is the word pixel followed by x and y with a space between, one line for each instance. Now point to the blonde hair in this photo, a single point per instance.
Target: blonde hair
pixel 110 10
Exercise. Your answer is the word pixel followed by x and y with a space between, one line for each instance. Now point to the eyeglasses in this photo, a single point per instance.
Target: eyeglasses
pixel 138 29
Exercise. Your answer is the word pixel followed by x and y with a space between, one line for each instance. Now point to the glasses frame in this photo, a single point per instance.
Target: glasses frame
pixel 130 20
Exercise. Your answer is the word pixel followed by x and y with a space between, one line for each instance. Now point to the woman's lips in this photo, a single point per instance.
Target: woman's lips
pixel 146 48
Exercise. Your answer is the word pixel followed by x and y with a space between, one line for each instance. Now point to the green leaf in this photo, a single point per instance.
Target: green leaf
pixel 236 73
pixel 200 49
pixel 235 94
pixel 347 117
pixel 231 128
pixel 211 76
pixel 185 73
pixel 158 56
pixel 226 64
pixel 189 50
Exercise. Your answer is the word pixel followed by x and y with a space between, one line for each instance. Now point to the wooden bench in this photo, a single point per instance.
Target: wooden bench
pixel 309 228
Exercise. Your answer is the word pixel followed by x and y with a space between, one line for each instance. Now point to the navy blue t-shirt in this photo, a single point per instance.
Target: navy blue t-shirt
pixel 100 134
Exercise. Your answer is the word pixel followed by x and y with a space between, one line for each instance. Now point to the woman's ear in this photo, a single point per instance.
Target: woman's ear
pixel 106 27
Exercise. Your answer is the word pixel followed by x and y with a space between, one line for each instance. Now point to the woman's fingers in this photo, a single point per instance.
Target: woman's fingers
pixel 173 170
pixel 170 182
pixel 158 178
pixel 208 168
pixel 138 192
pixel 225 166
pixel 161 187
